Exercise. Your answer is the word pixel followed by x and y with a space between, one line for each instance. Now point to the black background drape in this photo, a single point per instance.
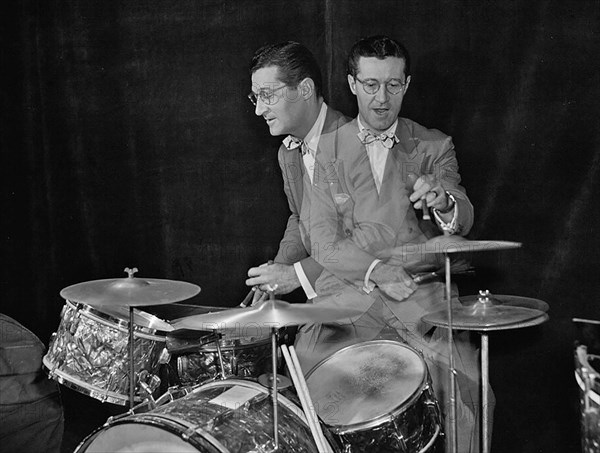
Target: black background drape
pixel 127 140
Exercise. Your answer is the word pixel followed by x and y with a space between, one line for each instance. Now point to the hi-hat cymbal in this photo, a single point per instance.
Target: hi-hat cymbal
pixel 483 315
pixel 448 244
pixel 275 313
pixel 130 291
pixel 497 299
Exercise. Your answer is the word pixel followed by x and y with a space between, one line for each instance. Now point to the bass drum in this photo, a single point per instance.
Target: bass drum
pixel 230 416
pixel 376 396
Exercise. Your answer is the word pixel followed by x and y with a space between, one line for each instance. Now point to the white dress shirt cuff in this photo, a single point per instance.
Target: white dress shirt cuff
pixel 449 227
pixel 368 285
pixel 306 286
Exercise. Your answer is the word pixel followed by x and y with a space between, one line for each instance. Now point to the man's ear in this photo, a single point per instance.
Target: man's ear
pixel 407 84
pixel 306 88
pixel 352 84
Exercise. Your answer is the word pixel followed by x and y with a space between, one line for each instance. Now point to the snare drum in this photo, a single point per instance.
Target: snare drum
pixel 90 352
pixel 376 396
pixel 230 416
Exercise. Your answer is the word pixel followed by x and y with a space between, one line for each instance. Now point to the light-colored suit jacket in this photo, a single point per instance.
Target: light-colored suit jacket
pixel 340 223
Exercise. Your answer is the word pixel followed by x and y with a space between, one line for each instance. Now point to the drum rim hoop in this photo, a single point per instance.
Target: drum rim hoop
pixel 151 419
pixel 83 387
pixel 120 324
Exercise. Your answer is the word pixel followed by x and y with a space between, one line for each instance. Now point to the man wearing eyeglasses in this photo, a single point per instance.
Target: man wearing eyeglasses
pixel 419 165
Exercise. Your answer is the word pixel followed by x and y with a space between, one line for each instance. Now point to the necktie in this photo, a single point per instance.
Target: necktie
pixel 367 137
pixel 291 143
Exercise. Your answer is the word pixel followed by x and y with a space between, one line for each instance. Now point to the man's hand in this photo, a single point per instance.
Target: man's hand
pixel 393 281
pixel 428 187
pixel 275 277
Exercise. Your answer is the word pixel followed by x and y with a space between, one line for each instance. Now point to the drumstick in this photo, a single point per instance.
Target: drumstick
pixel 248 297
pixel 325 445
pixel 425 208
pixel 297 378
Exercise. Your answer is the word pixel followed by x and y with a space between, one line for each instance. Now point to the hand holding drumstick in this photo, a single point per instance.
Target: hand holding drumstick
pixel 429 193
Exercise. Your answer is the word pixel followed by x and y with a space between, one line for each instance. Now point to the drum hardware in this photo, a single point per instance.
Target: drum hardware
pixel 129 292
pixel 447 245
pixel 489 313
pixel 588 380
pixel 283 382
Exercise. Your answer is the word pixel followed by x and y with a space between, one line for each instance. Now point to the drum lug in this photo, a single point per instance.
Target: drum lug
pixel 165 357
pixel 399 438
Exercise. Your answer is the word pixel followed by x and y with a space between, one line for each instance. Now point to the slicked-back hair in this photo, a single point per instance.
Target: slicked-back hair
pixel 294 61
pixel 378 46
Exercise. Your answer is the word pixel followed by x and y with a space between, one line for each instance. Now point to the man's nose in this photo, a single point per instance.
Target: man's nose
pixel 260 107
pixel 382 94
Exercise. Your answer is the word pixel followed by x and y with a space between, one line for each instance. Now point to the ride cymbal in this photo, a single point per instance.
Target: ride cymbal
pixel 497 299
pixel 483 314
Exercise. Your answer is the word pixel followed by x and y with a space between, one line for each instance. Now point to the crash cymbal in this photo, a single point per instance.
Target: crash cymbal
pixel 448 244
pixel 130 291
pixel 274 313
pixel 482 316
pixel 497 299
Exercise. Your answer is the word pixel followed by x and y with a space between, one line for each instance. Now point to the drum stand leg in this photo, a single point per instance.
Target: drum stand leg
pixel 131 365
pixel 484 391
pixel 274 363
pixel 452 435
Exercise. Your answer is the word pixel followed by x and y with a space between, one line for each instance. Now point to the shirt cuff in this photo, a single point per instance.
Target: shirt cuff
pixel 449 227
pixel 306 286
pixel 368 285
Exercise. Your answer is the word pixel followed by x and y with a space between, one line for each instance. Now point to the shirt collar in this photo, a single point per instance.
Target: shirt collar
pixel 312 138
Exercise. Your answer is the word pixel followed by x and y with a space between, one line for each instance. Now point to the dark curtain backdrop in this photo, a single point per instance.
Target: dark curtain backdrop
pixel 127 140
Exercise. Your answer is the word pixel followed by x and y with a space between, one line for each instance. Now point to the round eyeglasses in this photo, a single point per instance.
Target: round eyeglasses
pixel 371 86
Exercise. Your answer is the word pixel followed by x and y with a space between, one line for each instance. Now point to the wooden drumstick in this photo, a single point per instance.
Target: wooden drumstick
pixel 425 208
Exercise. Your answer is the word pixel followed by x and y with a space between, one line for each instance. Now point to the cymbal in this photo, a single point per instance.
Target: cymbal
pixel 130 291
pixel 448 244
pixel 274 313
pixel 497 299
pixel 484 315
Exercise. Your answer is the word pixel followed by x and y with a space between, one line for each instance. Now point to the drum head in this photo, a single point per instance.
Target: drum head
pixel 135 437
pixel 365 382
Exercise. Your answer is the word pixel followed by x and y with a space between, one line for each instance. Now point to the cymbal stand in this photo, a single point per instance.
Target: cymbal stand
pixel 274 388
pixel 219 353
pixel 484 390
pixel 453 436
pixel 131 363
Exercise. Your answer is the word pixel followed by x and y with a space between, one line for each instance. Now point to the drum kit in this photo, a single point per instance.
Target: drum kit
pixel 228 398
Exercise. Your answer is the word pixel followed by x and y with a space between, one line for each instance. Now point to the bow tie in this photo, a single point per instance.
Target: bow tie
pixel 291 143
pixel 367 137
